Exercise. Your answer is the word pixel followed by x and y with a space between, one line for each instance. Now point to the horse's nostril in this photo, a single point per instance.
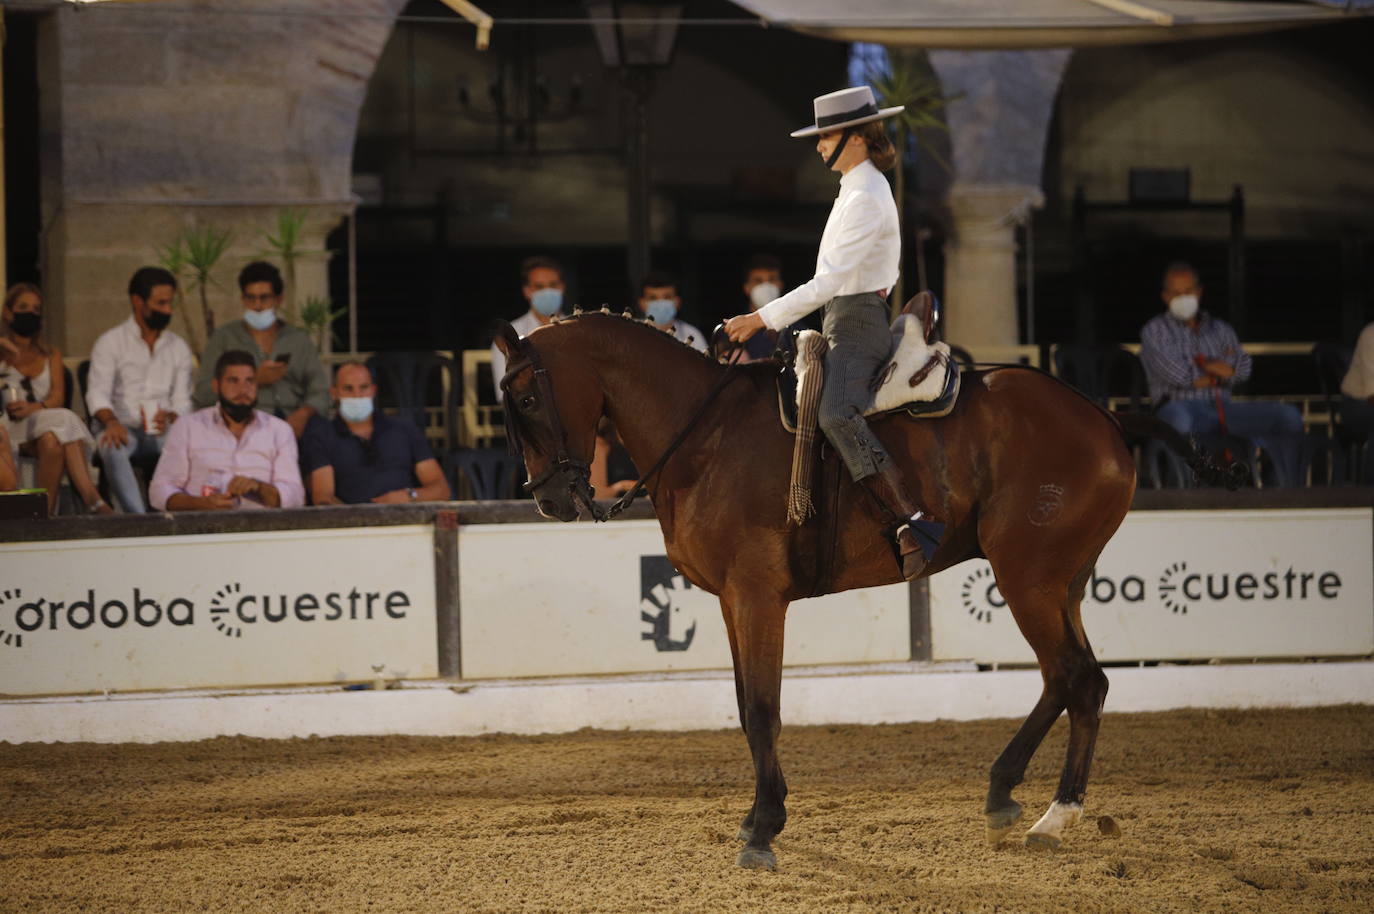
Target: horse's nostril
pixel 546 506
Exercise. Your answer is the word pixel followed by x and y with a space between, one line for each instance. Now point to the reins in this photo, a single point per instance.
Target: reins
pixel 639 487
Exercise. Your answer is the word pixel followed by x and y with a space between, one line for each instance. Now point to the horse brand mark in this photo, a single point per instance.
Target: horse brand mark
pixel 980 594
pixel 1048 505
pixel 672 625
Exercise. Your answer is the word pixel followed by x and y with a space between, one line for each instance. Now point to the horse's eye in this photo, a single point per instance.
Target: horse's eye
pixel 527 402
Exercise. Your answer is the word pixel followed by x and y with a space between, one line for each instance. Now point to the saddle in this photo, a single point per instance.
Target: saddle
pixel 919 377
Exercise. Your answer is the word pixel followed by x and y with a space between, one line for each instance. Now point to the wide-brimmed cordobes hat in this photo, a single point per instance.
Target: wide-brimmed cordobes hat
pixel 846 108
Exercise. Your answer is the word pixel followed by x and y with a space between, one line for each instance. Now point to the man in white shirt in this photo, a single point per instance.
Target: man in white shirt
pixel 541 282
pixel 139 383
pixel 659 302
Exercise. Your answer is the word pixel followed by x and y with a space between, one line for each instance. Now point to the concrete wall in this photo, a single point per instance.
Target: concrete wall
pixel 156 120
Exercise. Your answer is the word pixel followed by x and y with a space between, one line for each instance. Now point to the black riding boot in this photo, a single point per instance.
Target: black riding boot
pixel 916 536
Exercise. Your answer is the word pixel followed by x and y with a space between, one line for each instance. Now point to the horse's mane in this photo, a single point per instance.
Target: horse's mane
pixel 630 319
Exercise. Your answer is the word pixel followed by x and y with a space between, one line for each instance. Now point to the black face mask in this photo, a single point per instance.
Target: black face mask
pixel 157 320
pixel 239 412
pixel 26 323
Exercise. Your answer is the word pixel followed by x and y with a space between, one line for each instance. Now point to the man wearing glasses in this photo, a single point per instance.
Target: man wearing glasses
pixel 292 383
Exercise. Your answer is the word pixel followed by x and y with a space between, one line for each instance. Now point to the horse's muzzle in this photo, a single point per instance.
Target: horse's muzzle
pixel 563 495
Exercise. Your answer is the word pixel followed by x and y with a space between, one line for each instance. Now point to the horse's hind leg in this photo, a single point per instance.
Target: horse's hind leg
pixel 1072 679
pixel 758 640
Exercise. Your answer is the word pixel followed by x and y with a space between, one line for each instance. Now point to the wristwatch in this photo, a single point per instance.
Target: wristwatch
pixel 414 494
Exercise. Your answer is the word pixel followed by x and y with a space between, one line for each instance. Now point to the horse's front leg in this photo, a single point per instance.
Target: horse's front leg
pixel 757 624
pixel 746 828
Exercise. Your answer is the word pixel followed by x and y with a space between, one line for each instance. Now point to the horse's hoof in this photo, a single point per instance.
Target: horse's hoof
pixel 1038 841
pixel 744 834
pixel 1001 822
pixel 752 858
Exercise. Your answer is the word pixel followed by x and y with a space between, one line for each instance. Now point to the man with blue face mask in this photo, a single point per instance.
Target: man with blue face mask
pixel 292 383
pixel 1192 360
pixel 541 282
pixel 659 302
pixel 363 456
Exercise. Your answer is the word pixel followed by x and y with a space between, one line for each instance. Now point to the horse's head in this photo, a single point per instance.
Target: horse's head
pixel 555 432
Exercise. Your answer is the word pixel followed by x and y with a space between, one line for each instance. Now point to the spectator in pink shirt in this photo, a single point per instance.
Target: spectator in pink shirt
pixel 229 455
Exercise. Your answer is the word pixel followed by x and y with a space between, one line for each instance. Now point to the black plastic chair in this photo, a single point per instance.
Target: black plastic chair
pixel 1163 469
pixel 1102 372
pixel 490 471
pixel 1332 361
pixel 410 380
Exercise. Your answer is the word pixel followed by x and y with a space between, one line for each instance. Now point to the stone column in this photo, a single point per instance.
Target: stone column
pixel 980 262
pixel 997 138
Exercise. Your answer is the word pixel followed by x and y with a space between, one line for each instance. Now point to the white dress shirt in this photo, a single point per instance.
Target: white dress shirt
pixel 524 325
pixel 124 373
pixel 860 249
pixel 1359 380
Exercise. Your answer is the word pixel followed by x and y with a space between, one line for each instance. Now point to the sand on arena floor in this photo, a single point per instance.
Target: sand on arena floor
pixel 1217 811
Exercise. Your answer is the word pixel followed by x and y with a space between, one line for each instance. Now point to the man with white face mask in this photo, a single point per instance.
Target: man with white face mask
pixel 292 383
pixel 541 282
pixel 363 456
pixel 660 303
pixel 1192 360
pixel 762 285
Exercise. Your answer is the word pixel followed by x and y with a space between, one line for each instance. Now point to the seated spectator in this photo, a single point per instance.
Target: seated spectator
pixel 659 301
pixel 139 383
pixel 1192 360
pixel 613 473
pixel 762 284
pixel 363 456
pixel 229 455
pixel 1357 387
pixel 37 423
pixel 292 383
pixel 541 282
pixel 9 473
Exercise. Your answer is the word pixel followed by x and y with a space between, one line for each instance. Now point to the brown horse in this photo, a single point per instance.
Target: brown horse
pixel 1024 471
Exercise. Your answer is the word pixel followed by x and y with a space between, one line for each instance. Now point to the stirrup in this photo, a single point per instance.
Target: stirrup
pixel 928 534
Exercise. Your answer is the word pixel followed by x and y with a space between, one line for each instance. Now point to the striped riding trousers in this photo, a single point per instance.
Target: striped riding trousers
pixel 856 327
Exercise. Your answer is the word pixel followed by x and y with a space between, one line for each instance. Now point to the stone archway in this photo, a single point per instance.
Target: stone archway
pixel 155 119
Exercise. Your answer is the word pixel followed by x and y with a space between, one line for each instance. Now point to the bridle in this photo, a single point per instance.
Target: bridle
pixel 541 405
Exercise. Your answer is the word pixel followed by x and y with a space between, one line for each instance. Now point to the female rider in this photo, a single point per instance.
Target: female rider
pixel 856 268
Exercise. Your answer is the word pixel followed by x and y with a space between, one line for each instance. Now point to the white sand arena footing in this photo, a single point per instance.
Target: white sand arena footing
pixel 873 694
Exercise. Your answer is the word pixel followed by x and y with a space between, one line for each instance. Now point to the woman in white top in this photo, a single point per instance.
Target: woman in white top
pixel 857 266
pixel 36 422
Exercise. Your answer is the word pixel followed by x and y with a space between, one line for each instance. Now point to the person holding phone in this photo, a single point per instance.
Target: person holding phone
pixel 291 380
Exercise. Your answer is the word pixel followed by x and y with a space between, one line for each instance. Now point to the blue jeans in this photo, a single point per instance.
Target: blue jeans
pixel 119 468
pixel 1276 427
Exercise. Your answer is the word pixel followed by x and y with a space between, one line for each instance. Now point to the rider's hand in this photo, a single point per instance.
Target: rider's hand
pixel 743 326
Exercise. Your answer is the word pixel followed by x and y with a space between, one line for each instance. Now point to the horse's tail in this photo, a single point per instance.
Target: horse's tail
pixel 1137 427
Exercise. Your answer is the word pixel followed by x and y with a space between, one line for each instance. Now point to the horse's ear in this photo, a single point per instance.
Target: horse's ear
pixel 507 340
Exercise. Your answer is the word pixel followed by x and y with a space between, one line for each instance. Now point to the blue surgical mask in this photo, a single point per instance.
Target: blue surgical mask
pixel 547 301
pixel 260 320
pixel 355 409
pixel 661 311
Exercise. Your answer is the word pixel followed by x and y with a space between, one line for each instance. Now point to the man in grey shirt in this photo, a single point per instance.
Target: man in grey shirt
pixel 292 383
